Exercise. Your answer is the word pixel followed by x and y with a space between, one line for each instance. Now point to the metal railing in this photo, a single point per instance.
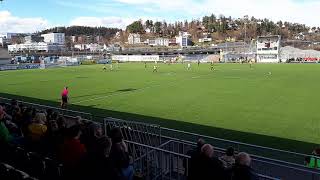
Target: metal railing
pixel 65 112
pixel 261 165
pixel 154 163
pixel 293 157
pixel 143 133
pixel 147 135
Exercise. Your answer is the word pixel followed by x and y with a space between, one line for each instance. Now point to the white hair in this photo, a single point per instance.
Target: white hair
pixel 243 159
pixel 207 150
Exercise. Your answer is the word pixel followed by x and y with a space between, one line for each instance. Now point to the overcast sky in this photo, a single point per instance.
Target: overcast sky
pixel 33 15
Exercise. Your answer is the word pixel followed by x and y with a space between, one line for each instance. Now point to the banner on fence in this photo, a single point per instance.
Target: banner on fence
pixel 8 67
pixel 135 58
pixel 21 66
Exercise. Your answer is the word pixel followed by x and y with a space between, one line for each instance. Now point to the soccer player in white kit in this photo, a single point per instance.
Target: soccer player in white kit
pixel 111 67
pixel 189 66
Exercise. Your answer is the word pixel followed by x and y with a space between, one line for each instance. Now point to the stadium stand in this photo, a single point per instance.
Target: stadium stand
pixel 52 143
pixel 10 173
pixel 5 58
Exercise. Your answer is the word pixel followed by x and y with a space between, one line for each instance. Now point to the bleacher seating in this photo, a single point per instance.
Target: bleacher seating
pixel 8 172
pixel 32 163
pixel 154 154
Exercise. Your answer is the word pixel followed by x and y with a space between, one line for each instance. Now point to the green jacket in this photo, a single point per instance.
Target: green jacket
pixel 314 163
pixel 4 133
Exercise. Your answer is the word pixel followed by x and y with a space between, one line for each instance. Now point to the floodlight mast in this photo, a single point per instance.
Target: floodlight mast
pixel 246 17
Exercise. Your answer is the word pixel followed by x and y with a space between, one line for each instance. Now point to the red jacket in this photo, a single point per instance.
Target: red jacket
pixel 72 152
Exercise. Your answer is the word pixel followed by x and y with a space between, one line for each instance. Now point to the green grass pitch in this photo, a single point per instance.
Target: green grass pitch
pixel 274 105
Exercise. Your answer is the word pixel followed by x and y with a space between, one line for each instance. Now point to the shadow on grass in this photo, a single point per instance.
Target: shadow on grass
pixel 104 94
pixel 126 90
pixel 245 137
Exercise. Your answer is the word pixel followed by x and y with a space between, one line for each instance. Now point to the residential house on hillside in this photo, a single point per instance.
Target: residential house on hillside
pixel 158 42
pixel 173 42
pixel 299 36
pixel 134 38
pixel 206 37
pixel 93 47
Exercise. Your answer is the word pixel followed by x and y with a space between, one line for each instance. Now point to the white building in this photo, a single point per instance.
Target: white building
pixel 55 38
pixel 112 47
pixel 35 46
pixel 134 39
pixel 268 49
pixel 299 36
pixel 158 42
pixel 184 39
pixel 90 47
pixel 4 41
pixel 202 40
pixel 28 39
pixel 162 41
pixel 80 47
pixel 94 47
pixel 151 42
pixel 73 38
pixel 11 35
pixel 148 30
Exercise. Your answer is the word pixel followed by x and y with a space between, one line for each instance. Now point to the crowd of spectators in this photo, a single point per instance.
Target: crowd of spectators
pixel 81 147
pixel 204 164
pixel 87 153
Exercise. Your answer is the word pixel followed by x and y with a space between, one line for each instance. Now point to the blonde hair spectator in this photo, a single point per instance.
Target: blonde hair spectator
pixel 40 118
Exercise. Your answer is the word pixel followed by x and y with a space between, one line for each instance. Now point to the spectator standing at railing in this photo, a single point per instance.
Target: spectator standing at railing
pixel 208 166
pixel 194 154
pixel 91 138
pixel 98 165
pixel 314 160
pixel 119 155
pixel 228 159
pixel 242 169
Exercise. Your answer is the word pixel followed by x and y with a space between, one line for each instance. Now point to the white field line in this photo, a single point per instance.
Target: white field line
pixel 142 89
